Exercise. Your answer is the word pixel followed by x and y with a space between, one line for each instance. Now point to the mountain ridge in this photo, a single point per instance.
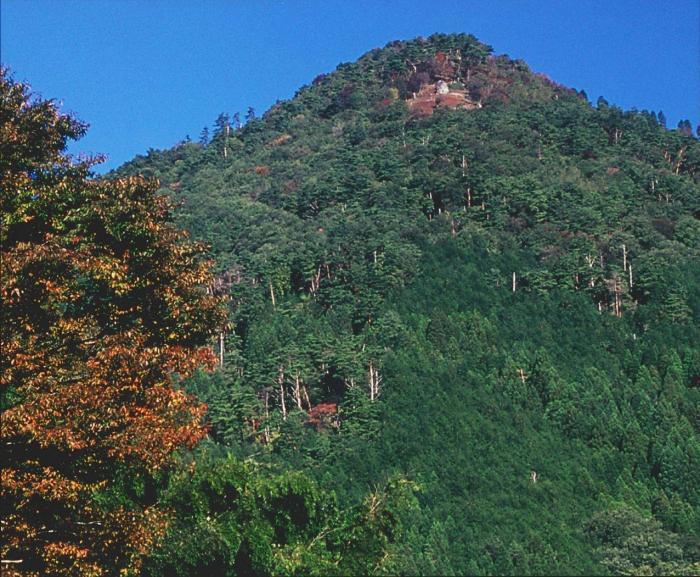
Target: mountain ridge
pixel 472 294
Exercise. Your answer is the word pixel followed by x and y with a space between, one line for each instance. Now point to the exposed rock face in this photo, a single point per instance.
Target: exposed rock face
pixel 439 94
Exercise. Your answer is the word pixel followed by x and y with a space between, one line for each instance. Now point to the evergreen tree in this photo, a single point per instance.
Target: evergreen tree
pixel 204 136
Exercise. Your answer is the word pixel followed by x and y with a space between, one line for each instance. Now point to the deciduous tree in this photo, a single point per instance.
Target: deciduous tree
pixel 103 304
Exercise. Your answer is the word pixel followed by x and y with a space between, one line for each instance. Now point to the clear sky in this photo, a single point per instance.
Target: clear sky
pixel 146 73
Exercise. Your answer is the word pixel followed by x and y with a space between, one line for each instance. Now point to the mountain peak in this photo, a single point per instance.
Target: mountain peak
pixel 434 251
pixel 441 71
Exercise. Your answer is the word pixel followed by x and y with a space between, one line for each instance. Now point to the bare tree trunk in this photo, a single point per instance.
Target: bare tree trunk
pixel 306 396
pixel 297 391
pixel 679 161
pixel 280 382
pixel 624 257
pixel 221 350
pixel 591 261
pixel 514 283
pixel 374 381
pixel 630 271
pixel 266 431
pixel 316 280
pixel 272 295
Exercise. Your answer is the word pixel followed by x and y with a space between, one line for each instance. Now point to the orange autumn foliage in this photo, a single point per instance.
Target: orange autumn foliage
pixel 103 306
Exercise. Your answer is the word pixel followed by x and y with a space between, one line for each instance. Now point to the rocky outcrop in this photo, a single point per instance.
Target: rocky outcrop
pixel 439 95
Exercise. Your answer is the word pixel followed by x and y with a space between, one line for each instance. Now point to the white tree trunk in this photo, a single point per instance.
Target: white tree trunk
pixel 375 380
pixel 272 295
pixel 280 382
pixel 297 391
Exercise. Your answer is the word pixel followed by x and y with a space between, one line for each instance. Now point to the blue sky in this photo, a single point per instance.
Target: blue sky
pixel 146 73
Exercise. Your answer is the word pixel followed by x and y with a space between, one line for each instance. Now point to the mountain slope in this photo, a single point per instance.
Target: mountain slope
pixel 446 266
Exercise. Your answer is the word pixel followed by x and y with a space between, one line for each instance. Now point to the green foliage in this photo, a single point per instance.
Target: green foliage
pixel 236 518
pixel 463 296
pixel 630 544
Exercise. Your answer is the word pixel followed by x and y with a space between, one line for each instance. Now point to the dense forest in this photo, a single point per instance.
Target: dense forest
pixel 454 312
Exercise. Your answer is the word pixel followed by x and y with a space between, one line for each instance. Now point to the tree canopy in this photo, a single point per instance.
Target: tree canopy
pixel 444 265
pixel 461 298
pixel 104 301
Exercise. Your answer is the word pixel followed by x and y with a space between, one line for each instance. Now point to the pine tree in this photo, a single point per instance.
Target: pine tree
pixel 662 118
pixel 204 136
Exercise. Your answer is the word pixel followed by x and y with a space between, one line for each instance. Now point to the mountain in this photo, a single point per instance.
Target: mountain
pixel 447 269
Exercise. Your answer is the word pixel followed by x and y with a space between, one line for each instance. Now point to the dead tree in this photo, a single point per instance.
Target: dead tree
pixel 280 382
pixel 375 381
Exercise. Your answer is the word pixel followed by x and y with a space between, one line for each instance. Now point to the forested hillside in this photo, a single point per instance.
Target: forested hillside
pixel 447 272
pixel 106 308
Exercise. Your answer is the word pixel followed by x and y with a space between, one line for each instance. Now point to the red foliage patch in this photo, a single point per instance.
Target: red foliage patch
pixel 451 100
pixel 323 414
pixel 421 106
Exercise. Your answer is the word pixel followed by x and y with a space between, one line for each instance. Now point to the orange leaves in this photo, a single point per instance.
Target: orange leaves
pixel 102 302
pixel 120 399
pixel 65 557
pixel 163 423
